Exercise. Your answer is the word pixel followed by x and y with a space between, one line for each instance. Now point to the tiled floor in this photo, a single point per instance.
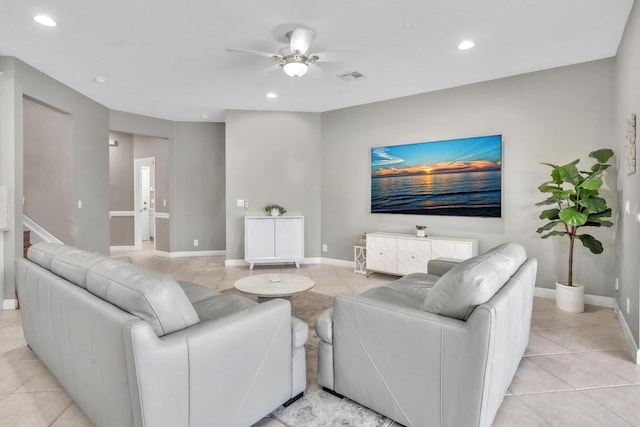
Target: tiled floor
pixel 577 370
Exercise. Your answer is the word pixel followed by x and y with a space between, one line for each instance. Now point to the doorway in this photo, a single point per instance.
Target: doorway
pixel 144 202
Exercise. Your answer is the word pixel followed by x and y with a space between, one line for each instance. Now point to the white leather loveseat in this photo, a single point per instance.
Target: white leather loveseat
pixel 432 351
pixel 135 348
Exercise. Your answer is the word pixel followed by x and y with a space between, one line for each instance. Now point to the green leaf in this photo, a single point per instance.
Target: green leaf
pixel 591 243
pixel 593 182
pixel 569 173
pixel 594 204
pixel 549 214
pixel 602 155
pixel 550 201
pixel 595 216
pixel 548 226
pixel 572 217
pixel 554 233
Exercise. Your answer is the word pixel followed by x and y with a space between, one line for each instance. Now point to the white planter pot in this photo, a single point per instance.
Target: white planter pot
pixel 421 233
pixel 275 212
pixel 570 298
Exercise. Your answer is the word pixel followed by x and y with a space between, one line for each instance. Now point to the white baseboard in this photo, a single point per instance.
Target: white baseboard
pixel 123 248
pixel 633 345
pixel 598 300
pixel 189 254
pixel 9 304
pixel 338 262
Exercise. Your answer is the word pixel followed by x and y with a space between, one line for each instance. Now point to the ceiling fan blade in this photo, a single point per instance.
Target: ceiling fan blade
pixel 300 40
pixel 254 52
pixel 335 55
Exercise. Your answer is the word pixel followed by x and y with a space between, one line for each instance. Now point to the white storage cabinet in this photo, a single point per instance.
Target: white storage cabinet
pixel 401 254
pixel 273 240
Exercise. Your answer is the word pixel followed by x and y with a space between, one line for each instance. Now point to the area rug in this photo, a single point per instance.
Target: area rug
pixel 317 408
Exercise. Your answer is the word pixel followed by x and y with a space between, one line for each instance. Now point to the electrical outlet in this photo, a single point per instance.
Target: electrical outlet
pixel 240 203
pixel 628 305
pixel 195 242
pixel 324 247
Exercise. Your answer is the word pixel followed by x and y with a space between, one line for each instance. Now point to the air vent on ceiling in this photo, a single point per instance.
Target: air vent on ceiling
pixel 352 76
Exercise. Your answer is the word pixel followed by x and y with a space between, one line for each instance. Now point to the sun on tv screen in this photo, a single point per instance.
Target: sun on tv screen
pixel 458 177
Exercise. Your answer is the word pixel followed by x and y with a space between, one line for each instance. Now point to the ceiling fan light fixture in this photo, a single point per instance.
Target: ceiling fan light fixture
pixel 295 69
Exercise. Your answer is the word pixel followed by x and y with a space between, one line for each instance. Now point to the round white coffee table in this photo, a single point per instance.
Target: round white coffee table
pixel 274 285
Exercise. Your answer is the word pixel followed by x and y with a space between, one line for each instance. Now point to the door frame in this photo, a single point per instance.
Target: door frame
pixel 137 203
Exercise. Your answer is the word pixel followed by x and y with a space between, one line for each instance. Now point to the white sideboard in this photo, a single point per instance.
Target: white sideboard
pixel 273 239
pixel 401 254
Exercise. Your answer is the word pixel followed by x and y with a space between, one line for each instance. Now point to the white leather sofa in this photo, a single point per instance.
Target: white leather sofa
pixel 135 348
pixel 428 350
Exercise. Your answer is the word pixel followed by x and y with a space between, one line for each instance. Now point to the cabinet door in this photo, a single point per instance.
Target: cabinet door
pixel 451 249
pixel 382 254
pixel 260 238
pixel 289 238
pixel 413 255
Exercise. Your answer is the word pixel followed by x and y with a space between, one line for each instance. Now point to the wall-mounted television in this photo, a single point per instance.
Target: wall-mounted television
pixel 457 177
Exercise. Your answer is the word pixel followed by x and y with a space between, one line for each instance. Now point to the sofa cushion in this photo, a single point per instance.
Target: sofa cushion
pixel 474 281
pixel 43 253
pixel 151 296
pixel 416 284
pixel 74 265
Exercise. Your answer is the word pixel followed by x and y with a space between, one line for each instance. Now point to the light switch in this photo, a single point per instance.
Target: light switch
pixel 246 203
pixel 627 207
pixel 240 203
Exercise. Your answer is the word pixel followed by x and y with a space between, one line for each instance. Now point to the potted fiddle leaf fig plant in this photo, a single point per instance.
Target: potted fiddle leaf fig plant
pixel 576 204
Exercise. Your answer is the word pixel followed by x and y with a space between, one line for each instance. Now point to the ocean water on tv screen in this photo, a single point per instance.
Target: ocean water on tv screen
pixel 456 194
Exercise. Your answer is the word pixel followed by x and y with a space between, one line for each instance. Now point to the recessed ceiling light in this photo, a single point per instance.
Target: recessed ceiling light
pixel 272 95
pixel 44 20
pixel 467 44
pixel 100 80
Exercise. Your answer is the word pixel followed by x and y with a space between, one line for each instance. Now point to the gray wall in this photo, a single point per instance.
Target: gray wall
pixel 200 175
pixel 48 170
pixel 89 157
pixel 273 157
pixel 555 116
pixel 627 90
pixel 121 189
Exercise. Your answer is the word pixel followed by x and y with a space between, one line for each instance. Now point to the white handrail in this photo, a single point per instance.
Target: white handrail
pixel 41 234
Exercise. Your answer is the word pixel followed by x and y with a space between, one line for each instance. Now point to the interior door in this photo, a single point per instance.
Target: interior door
pixel 145 186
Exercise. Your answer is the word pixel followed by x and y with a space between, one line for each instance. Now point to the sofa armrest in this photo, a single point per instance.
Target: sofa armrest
pixel 439 266
pixel 229 371
pixel 405 362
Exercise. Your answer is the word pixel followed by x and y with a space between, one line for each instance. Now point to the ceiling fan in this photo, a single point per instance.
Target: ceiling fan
pixel 295 58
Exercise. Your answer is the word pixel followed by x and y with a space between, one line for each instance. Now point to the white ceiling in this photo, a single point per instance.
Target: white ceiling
pixel 168 59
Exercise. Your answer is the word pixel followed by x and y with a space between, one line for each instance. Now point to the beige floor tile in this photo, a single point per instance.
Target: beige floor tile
pixel 622 401
pixel 72 417
pixel 42 381
pixel 513 412
pixel 15 373
pixel 578 371
pixel 531 378
pixel 32 409
pixel 618 362
pixel 541 345
pixel 586 338
pixel 20 353
pixel 571 408
pixel 211 280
